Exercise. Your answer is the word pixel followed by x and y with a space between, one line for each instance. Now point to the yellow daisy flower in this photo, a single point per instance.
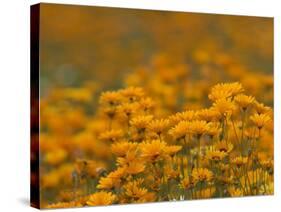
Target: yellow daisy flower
pixel 223 146
pixel 208 115
pixel 121 148
pixel 224 107
pixel 101 198
pixel 198 128
pixel 225 90
pixel 146 104
pixel 180 130
pixel 183 116
pixel 244 101
pixel 186 183
pixel 261 108
pixel 234 192
pixel 112 180
pixel 111 135
pixel 132 94
pixel 110 98
pixel 153 150
pixel 239 161
pixel 216 155
pixel 133 189
pixel 127 110
pixel 214 129
pixel 141 122
pixel 135 167
pixel 201 175
pixel 159 126
pixel 172 149
pixel 260 120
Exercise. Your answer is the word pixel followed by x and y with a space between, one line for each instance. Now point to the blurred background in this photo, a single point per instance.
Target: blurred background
pixel 82 43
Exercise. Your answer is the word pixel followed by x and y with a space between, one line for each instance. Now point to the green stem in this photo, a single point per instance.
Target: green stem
pixel 234 129
pixel 199 151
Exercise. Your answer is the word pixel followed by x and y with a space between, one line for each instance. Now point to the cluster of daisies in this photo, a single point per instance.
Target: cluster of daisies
pixel 220 151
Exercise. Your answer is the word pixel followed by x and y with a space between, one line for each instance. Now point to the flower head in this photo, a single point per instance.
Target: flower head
pixel 239 161
pixel 208 115
pixel 201 175
pixel 112 180
pixel 214 129
pixel 146 104
pixel 198 128
pixel 121 148
pixel 172 149
pixel 244 101
pixel 132 94
pixel 225 90
pixel 170 172
pixel 153 150
pixel 224 107
pixel 260 120
pixel 141 122
pixel 186 183
pixel 135 167
pixel 158 126
pixel 101 198
pixel 130 156
pixel 126 110
pixel 89 167
pixel 111 135
pixel 261 108
pixel 180 130
pixel 183 116
pixel 110 98
pixel 134 190
pixel 235 192
pixel 224 146
pixel 215 155
pixel 219 94
pixel 131 162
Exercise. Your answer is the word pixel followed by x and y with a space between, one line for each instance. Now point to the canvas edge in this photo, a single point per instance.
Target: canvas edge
pixel 34 105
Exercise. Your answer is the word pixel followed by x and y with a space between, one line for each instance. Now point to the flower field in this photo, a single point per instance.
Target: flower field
pixel 194 120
